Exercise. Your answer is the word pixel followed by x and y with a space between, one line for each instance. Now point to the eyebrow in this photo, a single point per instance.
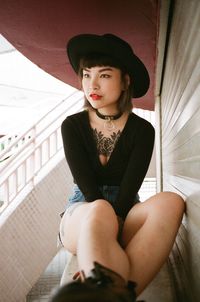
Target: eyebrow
pixel 101 70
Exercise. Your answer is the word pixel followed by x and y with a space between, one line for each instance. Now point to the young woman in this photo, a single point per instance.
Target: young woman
pixel 108 149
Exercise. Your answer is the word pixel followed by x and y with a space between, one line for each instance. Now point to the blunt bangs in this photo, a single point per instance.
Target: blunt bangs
pixel 95 59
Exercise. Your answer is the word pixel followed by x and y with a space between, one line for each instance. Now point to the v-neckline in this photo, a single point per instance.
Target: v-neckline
pixel 116 146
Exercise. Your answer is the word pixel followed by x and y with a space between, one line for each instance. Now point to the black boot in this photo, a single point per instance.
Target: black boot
pixel 103 285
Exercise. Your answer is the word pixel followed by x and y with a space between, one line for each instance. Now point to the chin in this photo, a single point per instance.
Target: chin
pixel 95 105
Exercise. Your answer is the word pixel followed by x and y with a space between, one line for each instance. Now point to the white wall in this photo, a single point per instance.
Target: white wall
pixel 180 111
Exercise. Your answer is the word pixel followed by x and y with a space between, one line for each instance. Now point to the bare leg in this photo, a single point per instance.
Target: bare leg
pixel 149 233
pixel 91 233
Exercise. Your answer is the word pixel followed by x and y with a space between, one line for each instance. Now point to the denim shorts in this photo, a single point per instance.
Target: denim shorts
pixel 77 198
pixel 109 193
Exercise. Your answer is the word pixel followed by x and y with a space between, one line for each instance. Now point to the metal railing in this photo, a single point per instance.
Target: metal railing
pixel 23 157
pixel 5 141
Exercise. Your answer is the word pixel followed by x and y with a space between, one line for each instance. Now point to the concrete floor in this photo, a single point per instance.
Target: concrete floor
pixel 49 280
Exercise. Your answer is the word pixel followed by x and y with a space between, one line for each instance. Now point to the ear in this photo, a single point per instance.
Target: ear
pixel 126 82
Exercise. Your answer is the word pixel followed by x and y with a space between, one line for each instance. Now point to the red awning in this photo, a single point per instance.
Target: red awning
pixel 41 29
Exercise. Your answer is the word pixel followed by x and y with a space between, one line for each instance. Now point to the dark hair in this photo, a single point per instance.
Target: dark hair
pixel 95 59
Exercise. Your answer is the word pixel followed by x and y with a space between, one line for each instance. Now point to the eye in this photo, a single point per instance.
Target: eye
pixel 105 75
pixel 86 75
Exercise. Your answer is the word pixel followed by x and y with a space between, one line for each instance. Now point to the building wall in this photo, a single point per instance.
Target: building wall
pixel 28 233
pixel 180 145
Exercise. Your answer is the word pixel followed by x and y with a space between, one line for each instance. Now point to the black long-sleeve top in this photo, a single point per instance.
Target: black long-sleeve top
pixel 127 165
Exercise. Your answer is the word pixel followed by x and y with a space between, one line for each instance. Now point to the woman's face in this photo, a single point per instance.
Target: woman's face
pixel 102 86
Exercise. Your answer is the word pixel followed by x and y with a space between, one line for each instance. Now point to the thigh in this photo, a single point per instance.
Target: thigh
pixel 71 223
pixel 164 209
pixel 98 213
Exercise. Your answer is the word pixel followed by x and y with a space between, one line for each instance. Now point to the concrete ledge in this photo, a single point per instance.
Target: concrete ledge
pixel 70 269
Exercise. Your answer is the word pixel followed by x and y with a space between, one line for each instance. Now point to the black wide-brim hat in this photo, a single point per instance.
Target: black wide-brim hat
pixel 113 46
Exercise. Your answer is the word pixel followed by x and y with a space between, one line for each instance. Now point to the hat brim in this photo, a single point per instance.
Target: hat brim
pixel 84 44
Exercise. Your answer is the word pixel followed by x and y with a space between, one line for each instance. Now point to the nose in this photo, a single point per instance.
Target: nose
pixel 94 83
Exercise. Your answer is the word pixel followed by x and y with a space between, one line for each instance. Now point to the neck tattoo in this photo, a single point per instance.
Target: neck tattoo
pixel 109 120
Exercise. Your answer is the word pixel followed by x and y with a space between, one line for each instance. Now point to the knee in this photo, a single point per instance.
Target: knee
pixel 172 204
pixel 100 207
pixel 101 212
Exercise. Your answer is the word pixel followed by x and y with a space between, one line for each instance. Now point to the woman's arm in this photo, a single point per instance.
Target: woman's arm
pixel 136 169
pixel 78 161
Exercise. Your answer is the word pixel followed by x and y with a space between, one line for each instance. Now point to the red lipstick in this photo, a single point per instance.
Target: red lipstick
pixel 95 97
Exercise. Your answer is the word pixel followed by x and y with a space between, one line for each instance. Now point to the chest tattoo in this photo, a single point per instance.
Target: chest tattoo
pixel 105 145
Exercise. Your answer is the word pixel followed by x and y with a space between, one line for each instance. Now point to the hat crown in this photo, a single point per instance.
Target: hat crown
pixel 118 41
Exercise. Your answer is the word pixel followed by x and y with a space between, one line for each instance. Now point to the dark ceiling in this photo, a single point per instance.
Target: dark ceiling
pixel 40 30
